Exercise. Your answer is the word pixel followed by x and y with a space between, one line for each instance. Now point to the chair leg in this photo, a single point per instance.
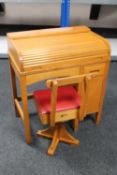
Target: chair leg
pixel 46 132
pixel 51 133
pixel 66 137
pixel 76 121
pixel 58 133
pixel 75 124
pixel 54 143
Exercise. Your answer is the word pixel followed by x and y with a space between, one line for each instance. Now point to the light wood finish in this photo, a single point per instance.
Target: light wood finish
pixel 69 114
pixel 98 114
pixel 44 54
pixel 19 108
pixel 54 84
pixel 61 116
pixel 13 80
pixel 57 134
pixel 25 109
pixel 55 118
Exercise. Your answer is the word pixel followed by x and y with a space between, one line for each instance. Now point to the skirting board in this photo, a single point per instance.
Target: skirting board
pixel 114 58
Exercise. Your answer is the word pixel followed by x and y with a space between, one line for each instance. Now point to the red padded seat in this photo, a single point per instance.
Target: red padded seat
pixel 67 98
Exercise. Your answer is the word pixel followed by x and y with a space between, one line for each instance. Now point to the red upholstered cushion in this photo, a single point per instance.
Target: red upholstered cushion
pixel 67 98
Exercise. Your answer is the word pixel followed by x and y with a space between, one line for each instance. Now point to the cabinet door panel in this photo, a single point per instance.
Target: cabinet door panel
pixel 95 88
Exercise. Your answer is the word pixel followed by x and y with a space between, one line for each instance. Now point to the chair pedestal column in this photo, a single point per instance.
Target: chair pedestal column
pixel 58 133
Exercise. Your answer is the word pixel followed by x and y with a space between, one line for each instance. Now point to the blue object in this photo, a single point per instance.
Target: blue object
pixel 65 13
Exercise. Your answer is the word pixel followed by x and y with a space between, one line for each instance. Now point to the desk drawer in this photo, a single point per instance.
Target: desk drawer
pixel 52 74
pixel 99 68
pixel 60 116
pixel 66 115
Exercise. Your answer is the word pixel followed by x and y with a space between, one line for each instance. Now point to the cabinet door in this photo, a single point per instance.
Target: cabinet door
pixel 94 88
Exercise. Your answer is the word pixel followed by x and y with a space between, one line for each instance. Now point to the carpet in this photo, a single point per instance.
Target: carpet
pixel 96 155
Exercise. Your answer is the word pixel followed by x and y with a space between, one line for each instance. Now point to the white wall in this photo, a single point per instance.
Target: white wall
pixel 49 14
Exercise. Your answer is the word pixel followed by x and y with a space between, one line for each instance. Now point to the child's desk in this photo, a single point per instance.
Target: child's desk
pixel 42 54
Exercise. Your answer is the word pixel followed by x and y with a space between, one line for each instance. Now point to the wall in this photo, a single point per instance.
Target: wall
pixel 49 14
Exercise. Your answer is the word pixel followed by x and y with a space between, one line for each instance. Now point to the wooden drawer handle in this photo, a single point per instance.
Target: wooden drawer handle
pixel 63 115
pixel 92 71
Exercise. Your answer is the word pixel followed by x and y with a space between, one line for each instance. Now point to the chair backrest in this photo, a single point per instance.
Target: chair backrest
pixel 74 80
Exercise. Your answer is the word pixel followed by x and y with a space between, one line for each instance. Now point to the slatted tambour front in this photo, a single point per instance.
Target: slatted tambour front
pixel 55 48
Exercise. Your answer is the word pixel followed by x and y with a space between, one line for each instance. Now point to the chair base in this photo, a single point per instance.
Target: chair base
pixel 58 133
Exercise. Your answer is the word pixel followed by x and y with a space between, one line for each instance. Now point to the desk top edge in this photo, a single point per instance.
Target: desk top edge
pixel 43 32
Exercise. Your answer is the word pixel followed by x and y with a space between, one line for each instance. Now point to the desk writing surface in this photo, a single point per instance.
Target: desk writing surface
pixel 36 49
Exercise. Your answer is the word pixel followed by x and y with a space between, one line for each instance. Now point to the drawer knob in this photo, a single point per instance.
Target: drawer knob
pixel 63 115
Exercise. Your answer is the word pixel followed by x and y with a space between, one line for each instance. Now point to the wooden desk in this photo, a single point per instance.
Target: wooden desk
pixel 42 54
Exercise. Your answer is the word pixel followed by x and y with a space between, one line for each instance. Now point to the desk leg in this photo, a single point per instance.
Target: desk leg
pixel 14 88
pixel 98 115
pixel 27 128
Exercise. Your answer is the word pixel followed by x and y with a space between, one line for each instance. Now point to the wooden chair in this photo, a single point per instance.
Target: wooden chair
pixel 58 104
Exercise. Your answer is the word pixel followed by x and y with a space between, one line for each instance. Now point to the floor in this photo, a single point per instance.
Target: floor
pixel 96 155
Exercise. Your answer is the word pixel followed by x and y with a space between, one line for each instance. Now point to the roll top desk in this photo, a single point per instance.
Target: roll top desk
pixel 41 54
